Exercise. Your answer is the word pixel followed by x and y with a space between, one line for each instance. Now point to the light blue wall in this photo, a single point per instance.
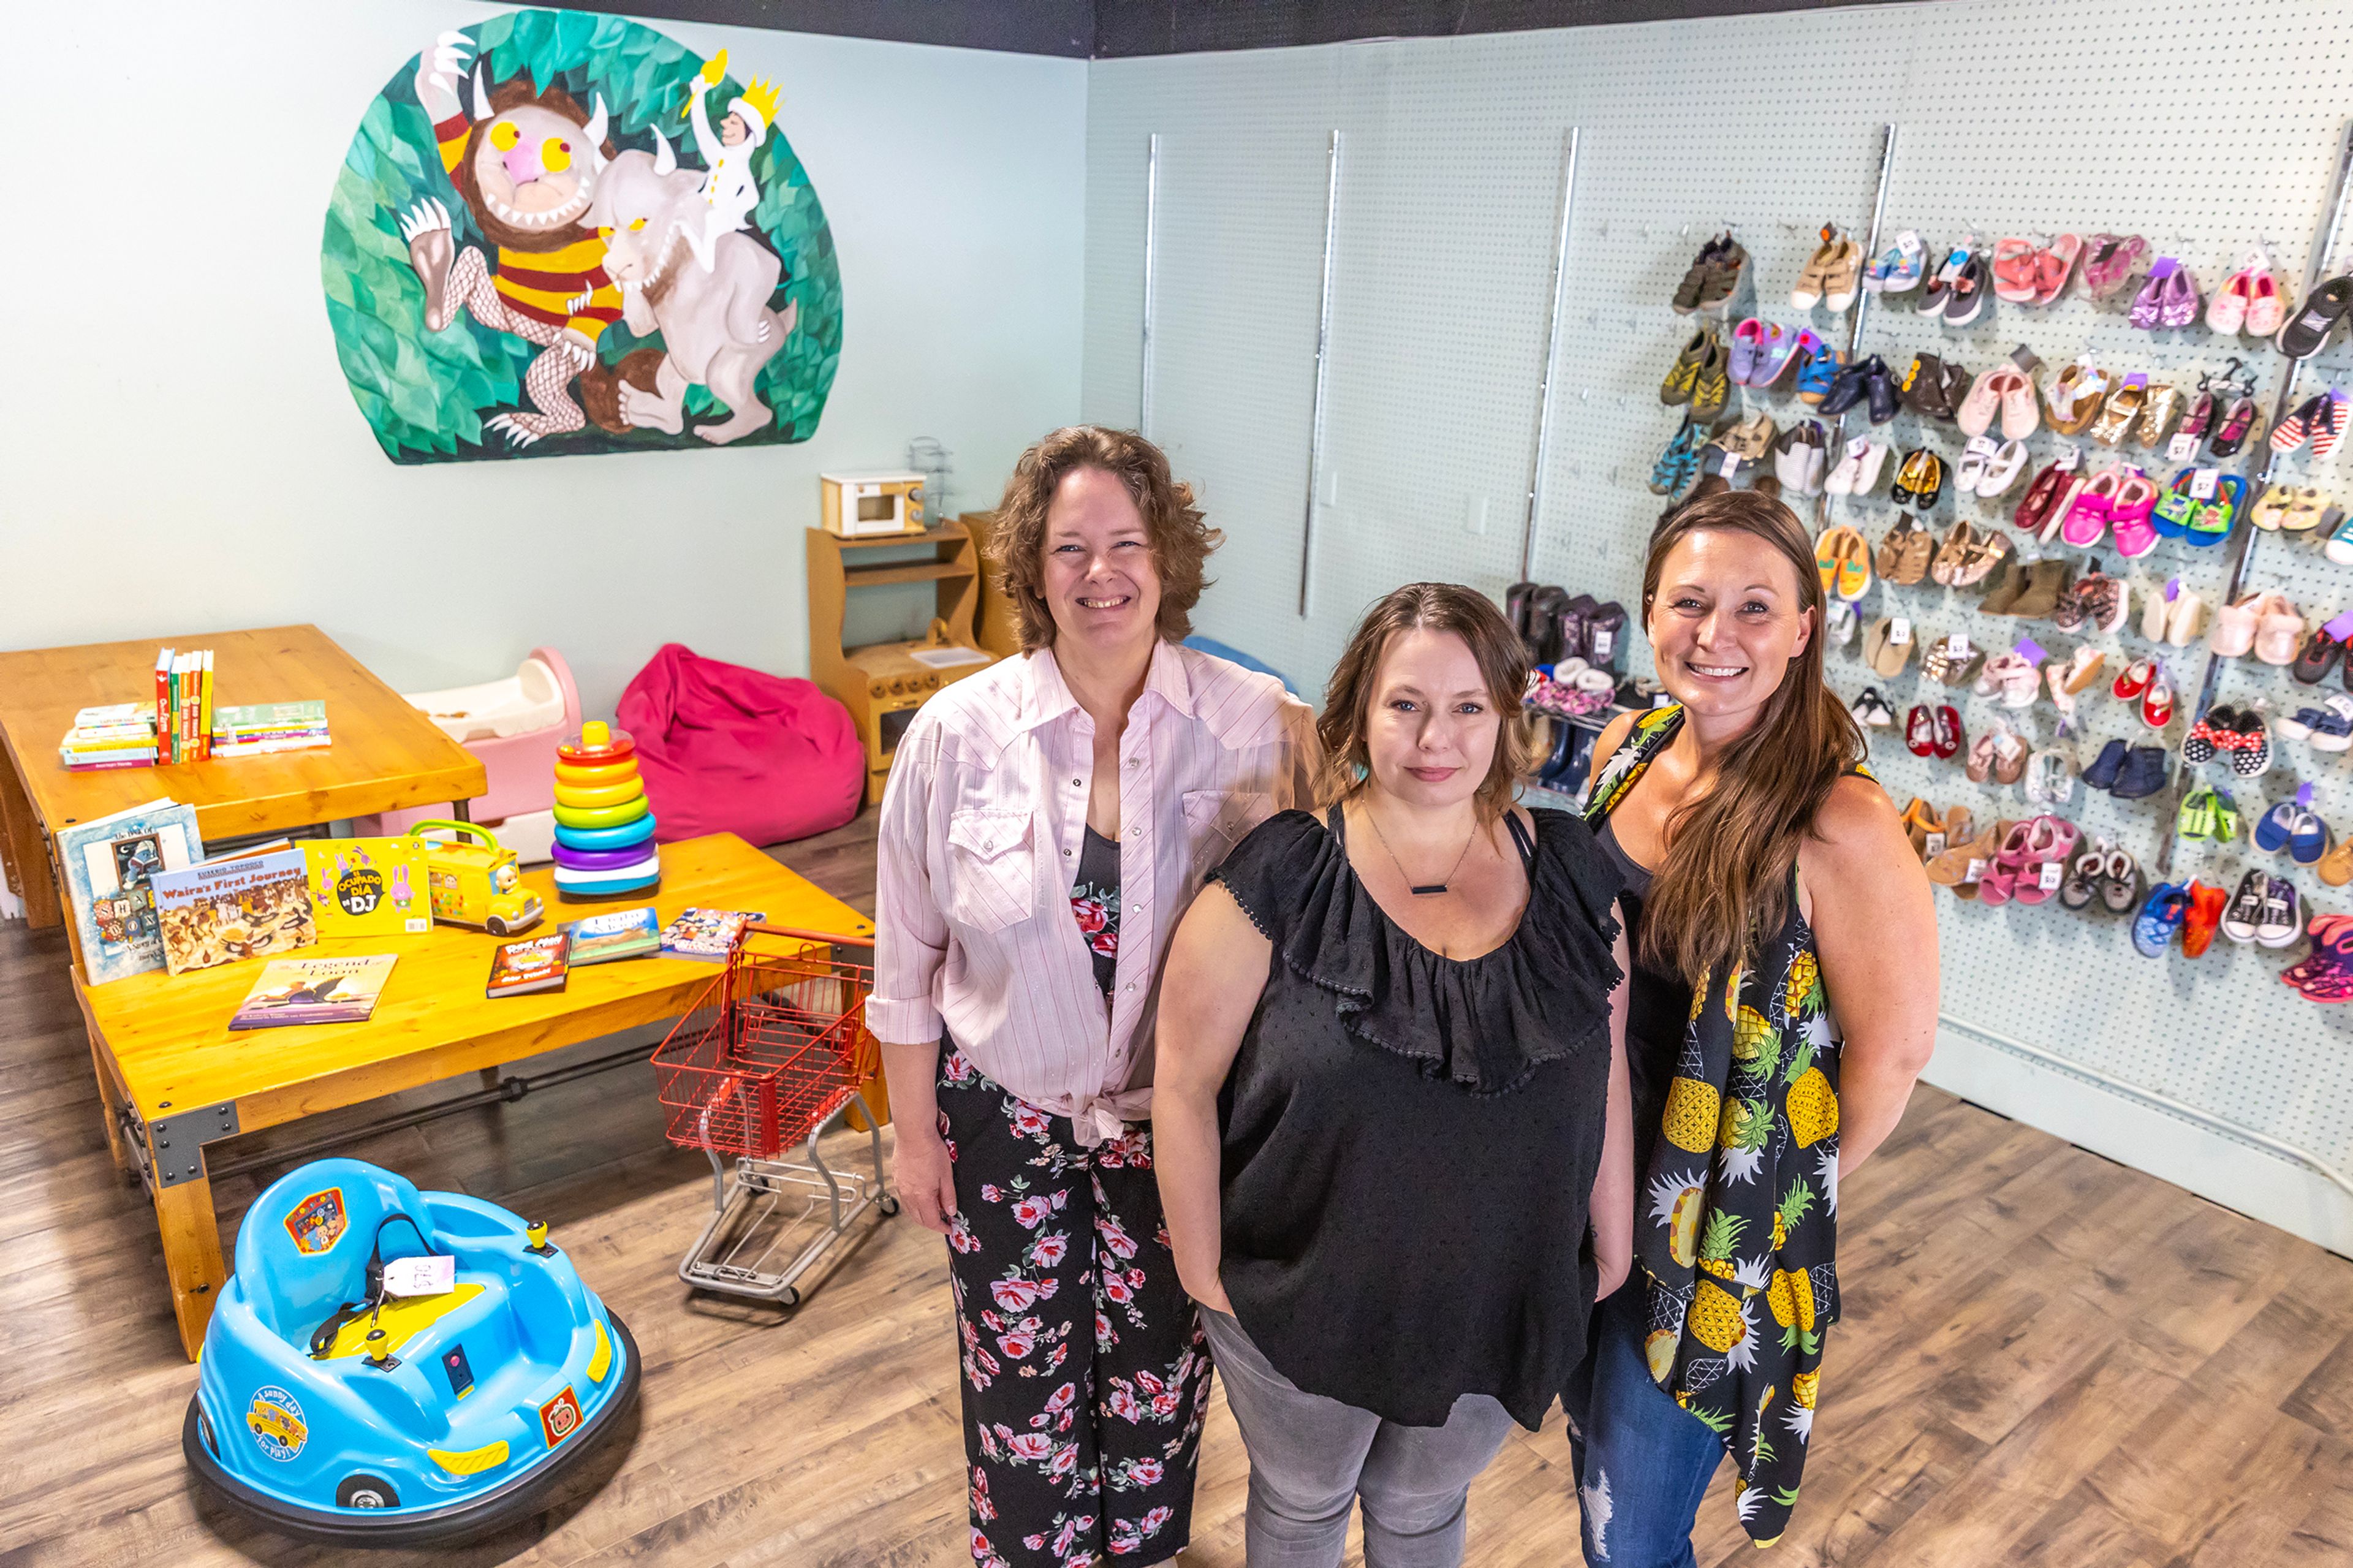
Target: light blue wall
pixel 178 452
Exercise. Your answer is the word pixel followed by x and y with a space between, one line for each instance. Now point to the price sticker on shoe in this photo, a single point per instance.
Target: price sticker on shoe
pixel 1731 466
pixel 2202 483
pixel 1899 632
pixel 1976 871
pixel 2049 881
pixel 1932 845
pixel 2182 447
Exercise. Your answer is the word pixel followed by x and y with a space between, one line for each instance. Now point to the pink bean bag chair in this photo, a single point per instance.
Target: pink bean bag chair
pixel 723 749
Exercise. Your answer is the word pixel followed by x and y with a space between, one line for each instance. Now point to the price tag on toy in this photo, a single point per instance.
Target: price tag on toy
pixel 1899 632
pixel 2202 482
pixel 2182 447
pixel 2049 881
pixel 420 1275
pixel 1977 870
pixel 1932 845
pixel 1731 469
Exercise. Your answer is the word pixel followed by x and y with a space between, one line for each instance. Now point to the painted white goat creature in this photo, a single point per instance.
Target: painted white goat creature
pixel 716 327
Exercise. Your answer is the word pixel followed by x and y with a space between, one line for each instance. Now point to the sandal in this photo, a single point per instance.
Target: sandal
pixel 2163 405
pixel 2053 265
pixel 2306 509
pixel 2015 275
pixel 1990 549
pixel 2123 407
pixel 2110 259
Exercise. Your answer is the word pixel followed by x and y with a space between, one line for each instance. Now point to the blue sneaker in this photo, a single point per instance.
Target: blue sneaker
pixel 2159 918
pixel 2309 839
pixel 1899 268
pixel 1819 368
pixel 2278 824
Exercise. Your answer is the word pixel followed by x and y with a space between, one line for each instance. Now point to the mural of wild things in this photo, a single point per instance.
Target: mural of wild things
pixel 559 233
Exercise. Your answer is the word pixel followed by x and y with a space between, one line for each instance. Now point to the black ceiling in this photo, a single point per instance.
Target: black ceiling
pixel 1120 29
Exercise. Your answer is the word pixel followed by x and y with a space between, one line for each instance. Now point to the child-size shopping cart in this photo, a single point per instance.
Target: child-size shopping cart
pixel 771 1055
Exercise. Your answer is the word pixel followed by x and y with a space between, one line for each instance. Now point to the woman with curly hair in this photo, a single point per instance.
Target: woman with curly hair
pixel 1045 826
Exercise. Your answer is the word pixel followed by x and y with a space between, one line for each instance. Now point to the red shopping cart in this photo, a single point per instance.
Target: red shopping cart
pixel 772 1056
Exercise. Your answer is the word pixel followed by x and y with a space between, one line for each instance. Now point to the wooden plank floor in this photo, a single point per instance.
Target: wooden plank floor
pixel 2047 1359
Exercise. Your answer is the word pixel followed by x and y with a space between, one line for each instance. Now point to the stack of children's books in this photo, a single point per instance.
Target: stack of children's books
pixel 119 735
pixel 267 727
pixel 184 705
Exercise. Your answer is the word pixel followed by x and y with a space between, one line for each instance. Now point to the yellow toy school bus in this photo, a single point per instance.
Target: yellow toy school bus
pixel 475 884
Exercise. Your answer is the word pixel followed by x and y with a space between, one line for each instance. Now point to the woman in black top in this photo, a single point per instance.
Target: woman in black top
pixel 1397 1158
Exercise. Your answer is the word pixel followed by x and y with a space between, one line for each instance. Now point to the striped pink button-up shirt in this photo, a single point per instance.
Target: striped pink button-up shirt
pixel 983 822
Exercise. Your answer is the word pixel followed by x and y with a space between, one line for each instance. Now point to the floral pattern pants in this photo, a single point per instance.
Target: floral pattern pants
pixel 1086 1374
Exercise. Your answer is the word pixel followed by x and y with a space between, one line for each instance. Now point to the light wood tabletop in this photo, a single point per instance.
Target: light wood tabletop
pixel 164 1050
pixel 386 755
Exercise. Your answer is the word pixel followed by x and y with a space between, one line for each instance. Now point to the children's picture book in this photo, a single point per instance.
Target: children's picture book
pixel 235 907
pixel 258 719
pixel 314 990
pixel 367 887
pixel 618 933
pixel 110 865
pixel 534 963
pixel 706 935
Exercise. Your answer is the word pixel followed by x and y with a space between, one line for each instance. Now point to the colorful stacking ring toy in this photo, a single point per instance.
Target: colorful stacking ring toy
pixel 638 832
pixel 604 824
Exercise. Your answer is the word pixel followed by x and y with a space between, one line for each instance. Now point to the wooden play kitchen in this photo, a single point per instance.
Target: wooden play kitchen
pixel 883 683
pixel 386 756
pixel 176 1080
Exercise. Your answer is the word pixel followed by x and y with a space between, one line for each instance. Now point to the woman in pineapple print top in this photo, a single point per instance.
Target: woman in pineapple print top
pixel 1769 889
pixel 1046 823
pixel 1395 1151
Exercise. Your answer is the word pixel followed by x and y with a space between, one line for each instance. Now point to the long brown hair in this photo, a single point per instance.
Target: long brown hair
pixel 1502 667
pixel 1180 539
pixel 1730 850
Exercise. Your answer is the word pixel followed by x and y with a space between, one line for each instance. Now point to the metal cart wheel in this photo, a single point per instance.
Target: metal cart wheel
pixel 888 1205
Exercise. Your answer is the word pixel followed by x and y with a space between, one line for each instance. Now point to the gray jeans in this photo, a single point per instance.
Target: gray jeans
pixel 1311 1458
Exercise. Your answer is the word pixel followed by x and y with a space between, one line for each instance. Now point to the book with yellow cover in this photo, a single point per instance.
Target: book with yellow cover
pixel 314 990
pixel 367 887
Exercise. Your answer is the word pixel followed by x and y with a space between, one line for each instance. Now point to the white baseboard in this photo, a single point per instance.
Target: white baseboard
pixel 2256 1183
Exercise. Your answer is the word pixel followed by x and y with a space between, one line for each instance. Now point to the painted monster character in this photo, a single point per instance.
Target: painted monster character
pixel 717 328
pixel 525 161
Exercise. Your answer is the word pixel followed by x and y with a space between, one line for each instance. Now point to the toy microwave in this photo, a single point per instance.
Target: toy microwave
pixel 869 506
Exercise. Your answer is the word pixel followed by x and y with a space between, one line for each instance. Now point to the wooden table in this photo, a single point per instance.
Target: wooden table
pixel 386 755
pixel 166 1055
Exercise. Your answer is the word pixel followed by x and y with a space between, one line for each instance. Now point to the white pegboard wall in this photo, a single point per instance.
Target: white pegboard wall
pixel 2205 128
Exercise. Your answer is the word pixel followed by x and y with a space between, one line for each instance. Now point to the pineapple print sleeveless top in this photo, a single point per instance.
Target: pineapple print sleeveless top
pixel 1735 1227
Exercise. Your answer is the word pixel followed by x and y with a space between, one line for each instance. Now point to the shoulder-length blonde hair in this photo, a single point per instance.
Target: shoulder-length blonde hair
pixel 1725 879
pixel 1180 540
pixel 1503 667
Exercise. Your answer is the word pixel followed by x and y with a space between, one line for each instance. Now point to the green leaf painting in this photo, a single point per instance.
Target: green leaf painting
pixel 560 233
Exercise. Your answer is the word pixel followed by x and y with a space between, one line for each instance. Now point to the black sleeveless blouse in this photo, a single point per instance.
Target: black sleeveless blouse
pixel 1411 1141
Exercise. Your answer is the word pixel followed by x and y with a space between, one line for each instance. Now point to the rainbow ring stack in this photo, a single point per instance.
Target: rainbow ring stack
pixel 604 826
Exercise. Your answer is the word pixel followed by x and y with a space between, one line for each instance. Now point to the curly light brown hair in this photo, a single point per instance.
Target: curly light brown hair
pixel 1172 526
pixel 1503 660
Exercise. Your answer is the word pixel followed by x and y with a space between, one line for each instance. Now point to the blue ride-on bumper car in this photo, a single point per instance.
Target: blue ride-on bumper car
pixel 332 1410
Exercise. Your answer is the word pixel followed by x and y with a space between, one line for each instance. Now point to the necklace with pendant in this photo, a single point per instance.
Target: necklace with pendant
pixel 1426 890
